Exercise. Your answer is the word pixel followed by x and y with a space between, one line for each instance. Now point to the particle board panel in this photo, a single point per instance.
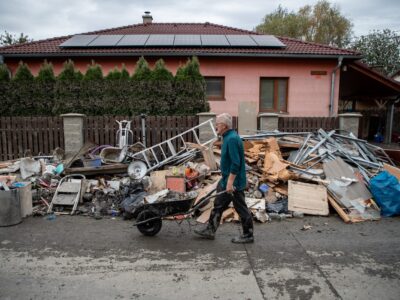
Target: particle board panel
pixel 308 198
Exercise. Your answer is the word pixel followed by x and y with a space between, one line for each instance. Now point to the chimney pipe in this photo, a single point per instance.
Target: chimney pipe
pixel 147 18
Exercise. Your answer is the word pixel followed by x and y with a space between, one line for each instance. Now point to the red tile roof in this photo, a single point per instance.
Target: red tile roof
pixel 50 47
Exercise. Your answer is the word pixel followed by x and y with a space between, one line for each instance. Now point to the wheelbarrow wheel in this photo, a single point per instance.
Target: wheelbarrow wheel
pixel 151 227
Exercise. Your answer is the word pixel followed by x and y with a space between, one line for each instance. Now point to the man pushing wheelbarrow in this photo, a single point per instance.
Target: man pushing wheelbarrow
pixel 233 181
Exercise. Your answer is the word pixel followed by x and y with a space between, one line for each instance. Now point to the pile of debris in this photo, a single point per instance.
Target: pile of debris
pixel 289 175
pixel 312 169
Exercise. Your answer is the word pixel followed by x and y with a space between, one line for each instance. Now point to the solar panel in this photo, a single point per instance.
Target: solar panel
pixel 79 40
pixel 170 40
pixel 240 40
pixel 214 40
pixel 267 41
pixel 187 40
pixel 133 40
pixel 160 40
pixel 105 40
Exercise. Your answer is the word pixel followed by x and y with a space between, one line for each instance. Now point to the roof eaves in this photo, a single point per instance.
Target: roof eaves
pixel 190 53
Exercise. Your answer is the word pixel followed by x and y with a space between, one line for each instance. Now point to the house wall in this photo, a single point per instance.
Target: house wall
pixel 308 95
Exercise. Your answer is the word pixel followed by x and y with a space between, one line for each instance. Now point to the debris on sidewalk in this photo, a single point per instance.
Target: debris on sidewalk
pixel 289 175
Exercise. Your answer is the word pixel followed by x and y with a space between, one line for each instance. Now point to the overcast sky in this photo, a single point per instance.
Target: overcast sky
pixel 40 19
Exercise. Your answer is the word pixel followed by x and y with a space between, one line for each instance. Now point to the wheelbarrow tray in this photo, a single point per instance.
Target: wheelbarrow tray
pixel 168 208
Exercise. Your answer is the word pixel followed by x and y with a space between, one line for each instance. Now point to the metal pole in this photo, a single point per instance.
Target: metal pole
pixel 143 119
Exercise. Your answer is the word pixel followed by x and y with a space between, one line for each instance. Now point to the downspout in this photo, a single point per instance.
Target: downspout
pixel 333 78
pixel 1 59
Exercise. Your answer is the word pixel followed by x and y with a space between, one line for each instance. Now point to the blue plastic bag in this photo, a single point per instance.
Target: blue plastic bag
pixel 386 190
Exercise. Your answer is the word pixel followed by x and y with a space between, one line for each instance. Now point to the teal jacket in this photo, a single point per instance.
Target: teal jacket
pixel 232 160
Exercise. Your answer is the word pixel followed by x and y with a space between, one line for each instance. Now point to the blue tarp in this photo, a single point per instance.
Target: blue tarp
pixel 386 190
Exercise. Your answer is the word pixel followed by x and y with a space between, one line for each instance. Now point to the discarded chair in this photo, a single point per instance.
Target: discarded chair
pixel 68 192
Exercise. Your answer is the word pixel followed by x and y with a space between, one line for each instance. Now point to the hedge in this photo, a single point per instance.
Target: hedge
pixel 153 92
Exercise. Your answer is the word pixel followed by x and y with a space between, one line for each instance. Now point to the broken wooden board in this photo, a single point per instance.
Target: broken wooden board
pixel 204 191
pixel 204 216
pixel 392 170
pixel 339 210
pixel 308 198
pixel 207 153
pixel 105 169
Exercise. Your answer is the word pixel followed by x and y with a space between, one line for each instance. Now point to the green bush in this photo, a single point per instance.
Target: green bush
pixel 93 72
pixel 4 73
pixel 68 72
pixel 154 92
pixel 23 73
pixel 46 73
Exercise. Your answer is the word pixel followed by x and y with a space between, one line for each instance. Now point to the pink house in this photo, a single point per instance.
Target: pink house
pixel 278 74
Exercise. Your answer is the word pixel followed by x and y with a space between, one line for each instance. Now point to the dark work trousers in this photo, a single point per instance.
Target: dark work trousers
pixel 221 203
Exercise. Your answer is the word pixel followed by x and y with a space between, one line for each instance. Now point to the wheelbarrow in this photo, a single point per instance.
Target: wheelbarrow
pixel 149 219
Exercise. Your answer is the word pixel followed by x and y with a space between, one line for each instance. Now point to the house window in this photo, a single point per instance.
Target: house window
pixel 215 88
pixel 273 94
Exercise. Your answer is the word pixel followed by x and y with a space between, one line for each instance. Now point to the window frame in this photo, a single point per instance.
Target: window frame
pixel 216 98
pixel 276 96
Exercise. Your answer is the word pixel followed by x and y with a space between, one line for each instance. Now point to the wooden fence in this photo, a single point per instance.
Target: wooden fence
pixel 40 135
pixel 305 124
pixel 103 130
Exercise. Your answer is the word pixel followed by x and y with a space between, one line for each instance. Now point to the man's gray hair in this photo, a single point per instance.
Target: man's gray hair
pixel 226 119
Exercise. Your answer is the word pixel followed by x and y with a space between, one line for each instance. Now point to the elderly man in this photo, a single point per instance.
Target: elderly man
pixel 233 182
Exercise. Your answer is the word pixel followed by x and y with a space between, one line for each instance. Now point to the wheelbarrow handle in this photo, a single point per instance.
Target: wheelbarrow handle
pixel 205 198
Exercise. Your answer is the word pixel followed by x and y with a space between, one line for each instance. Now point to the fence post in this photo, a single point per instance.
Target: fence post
pixel 205 133
pixel 350 122
pixel 268 121
pixel 73 132
pixel 247 118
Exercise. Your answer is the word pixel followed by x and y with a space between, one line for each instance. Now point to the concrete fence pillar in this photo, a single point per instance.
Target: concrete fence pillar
pixel 247 118
pixel 73 132
pixel 205 132
pixel 350 122
pixel 268 121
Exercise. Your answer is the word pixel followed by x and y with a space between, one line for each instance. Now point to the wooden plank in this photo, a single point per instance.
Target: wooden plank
pixel 13 141
pixel 392 170
pixel 3 149
pixel 46 143
pixel 339 210
pixel 8 134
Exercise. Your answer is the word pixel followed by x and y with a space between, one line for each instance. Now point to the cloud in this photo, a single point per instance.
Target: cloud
pixel 51 18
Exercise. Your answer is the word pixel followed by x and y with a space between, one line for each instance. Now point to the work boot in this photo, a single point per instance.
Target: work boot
pixel 243 239
pixel 206 233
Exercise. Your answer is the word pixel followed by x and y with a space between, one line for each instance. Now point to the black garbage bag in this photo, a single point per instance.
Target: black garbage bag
pixel 280 206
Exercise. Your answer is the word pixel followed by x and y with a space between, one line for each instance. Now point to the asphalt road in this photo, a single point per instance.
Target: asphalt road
pixel 74 257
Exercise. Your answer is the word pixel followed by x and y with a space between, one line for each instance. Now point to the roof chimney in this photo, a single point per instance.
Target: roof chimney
pixel 147 18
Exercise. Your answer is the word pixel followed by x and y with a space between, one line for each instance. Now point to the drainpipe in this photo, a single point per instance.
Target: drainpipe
pixel 333 78
pixel 1 59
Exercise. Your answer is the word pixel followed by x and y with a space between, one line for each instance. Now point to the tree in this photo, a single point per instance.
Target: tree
pixel 190 89
pixel 161 88
pixel 68 72
pixel 381 49
pixel 322 23
pixel 7 39
pixel 46 73
pixel 94 72
pixel 23 73
pixel 142 70
pixel 4 73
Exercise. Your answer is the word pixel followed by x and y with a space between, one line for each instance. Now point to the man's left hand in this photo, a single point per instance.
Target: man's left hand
pixel 229 188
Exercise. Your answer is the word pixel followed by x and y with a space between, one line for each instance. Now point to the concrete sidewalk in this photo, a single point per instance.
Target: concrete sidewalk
pixel 81 258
